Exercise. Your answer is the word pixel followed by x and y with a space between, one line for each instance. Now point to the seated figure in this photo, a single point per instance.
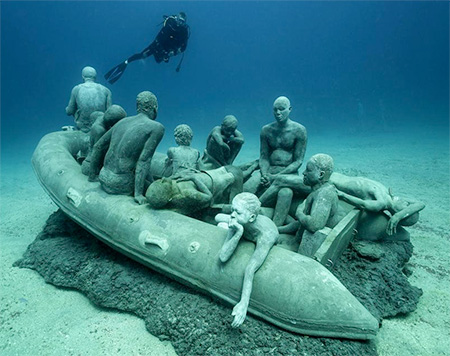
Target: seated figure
pixel 86 98
pixel 184 156
pixel 191 191
pixel 373 197
pixel 246 221
pixel 128 148
pixel 223 144
pixel 102 123
pixel 283 145
pixel 321 207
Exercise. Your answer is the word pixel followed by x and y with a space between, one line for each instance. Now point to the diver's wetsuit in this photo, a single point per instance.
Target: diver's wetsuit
pixel 171 40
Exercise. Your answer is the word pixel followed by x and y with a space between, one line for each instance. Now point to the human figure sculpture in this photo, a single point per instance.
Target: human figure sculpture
pixel 128 148
pixel 223 144
pixel 283 146
pixel 102 123
pixel 321 207
pixel 246 221
pixel 184 156
pixel 373 197
pixel 87 98
pixel 191 191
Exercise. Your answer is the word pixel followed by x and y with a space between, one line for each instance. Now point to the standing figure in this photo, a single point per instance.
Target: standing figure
pixel 184 156
pixel 283 146
pixel 321 208
pixel 87 98
pixel 246 221
pixel 171 40
pixel 129 147
pixel 223 144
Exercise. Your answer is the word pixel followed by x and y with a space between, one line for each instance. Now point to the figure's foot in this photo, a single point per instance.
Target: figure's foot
pixel 239 313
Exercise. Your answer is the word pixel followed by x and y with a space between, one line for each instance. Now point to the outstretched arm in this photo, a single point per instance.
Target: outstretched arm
pixel 256 261
pixel 366 204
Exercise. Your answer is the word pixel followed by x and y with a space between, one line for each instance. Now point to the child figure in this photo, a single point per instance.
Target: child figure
pixel 245 218
pixel 184 156
pixel 321 207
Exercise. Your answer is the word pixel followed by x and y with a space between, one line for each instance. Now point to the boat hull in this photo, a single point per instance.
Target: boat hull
pixel 291 291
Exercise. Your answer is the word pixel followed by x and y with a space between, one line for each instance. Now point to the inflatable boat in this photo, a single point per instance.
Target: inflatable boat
pixel 291 291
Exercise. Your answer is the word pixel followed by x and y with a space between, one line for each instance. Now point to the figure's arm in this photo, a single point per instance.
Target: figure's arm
pixel 205 194
pixel 235 232
pixel 216 135
pixel 108 98
pixel 365 204
pixel 143 163
pixel 263 246
pixel 238 137
pixel 319 214
pixel 412 208
pixel 264 163
pixel 71 108
pixel 98 153
pixel 299 153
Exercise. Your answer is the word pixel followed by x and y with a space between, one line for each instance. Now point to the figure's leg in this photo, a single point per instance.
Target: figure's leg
pixel 310 243
pixel 235 148
pixel 284 201
pixel 252 184
pixel 256 261
pixel 237 186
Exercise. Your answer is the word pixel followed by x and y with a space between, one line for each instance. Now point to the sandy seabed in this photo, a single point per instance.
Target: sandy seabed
pixel 39 319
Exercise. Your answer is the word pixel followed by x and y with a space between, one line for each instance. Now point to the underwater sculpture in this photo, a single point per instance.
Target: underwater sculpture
pixel 184 156
pixel 191 191
pixel 283 146
pixel 291 291
pixel 223 144
pixel 321 207
pixel 373 197
pixel 86 98
pixel 245 220
pixel 102 123
pixel 128 148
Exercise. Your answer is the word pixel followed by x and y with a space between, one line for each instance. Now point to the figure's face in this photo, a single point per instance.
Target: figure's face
pixel 240 213
pixel 312 175
pixel 281 111
pixel 228 130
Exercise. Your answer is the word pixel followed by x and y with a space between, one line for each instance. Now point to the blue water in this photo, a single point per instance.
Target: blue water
pixel 338 62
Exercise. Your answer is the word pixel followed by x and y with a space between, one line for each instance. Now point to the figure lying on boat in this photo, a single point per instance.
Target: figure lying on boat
pixel 302 212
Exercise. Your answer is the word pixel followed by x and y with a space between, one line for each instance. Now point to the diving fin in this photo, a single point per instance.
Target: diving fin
pixel 114 74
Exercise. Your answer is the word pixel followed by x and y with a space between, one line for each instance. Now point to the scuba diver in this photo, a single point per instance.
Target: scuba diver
pixel 171 40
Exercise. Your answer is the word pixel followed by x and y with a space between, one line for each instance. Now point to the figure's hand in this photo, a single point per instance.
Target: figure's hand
pixel 233 224
pixel 391 228
pixel 140 199
pixel 239 313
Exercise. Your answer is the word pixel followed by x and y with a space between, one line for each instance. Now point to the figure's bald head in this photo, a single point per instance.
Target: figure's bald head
pixel 89 73
pixel 324 163
pixel 281 109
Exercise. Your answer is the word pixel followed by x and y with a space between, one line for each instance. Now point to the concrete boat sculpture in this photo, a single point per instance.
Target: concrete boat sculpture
pixel 291 291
